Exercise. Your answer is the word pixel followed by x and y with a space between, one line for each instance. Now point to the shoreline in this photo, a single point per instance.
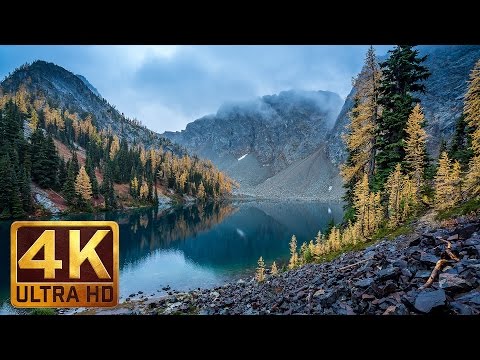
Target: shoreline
pixel 387 277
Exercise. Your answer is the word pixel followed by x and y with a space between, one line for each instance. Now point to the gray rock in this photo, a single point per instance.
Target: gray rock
pixel 472 297
pixel 426 301
pixel 402 264
pixel 407 273
pixel 363 283
pixel 423 274
pixel 461 308
pixel 429 258
pixel 453 282
pixel 387 273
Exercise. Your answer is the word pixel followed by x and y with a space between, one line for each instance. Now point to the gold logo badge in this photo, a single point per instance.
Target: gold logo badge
pixel 64 263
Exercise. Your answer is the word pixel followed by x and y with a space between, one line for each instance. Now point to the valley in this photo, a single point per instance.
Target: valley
pixel 298 201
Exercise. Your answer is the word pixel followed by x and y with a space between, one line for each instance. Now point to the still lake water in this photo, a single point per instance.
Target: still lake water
pixel 197 246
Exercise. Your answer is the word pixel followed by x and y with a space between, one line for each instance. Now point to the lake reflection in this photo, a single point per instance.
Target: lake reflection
pixel 199 246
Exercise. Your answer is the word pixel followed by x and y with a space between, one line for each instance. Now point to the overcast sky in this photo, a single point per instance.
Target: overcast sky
pixel 167 87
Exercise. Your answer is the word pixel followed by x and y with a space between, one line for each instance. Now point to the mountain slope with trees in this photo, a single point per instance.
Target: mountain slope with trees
pixel 50 140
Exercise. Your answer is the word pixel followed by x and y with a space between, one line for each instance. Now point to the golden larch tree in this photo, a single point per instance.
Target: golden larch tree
pixel 201 191
pixel 83 186
pixel 33 124
pixel 143 156
pixel 360 139
pixel 260 274
pixel 134 184
pixel 114 147
pixel 415 149
pixel 457 182
pixel 293 253
pixel 443 184
pixel 274 270
pixel 144 190
pixel 393 187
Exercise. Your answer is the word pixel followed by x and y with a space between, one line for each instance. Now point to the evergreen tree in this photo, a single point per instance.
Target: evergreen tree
pixel 16 206
pixel 472 116
pixel 50 164
pixel 37 155
pixel 75 164
pixel 24 187
pixel 402 76
pixel 62 173
pixel 107 188
pixel 69 186
pixel 461 145
pixel 91 174
pixel 6 186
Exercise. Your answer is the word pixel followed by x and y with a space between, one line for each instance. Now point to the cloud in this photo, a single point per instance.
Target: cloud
pixel 167 86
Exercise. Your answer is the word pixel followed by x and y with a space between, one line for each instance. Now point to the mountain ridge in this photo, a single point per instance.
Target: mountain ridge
pixel 64 89
pixel 256 139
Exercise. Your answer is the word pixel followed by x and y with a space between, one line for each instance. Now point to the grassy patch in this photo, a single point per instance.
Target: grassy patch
pixel 463 209
pixel 43 311
pixel 381 234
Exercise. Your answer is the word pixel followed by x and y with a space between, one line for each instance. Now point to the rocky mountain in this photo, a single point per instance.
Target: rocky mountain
pixel 450 66
pixel 68 91
pixel 255 140
pixel 90 86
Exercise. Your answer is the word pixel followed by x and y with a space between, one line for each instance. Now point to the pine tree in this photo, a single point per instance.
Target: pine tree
pixel 62 173
pixel 75 164
pixel 461 146
pixel 360 139
pixel 402 76
pixel 16 206
pixel 107 188
pixel 91 174
pixel 415 148
pixel 69 186
pixel 6 186
pixel 293 253
pixel 274 270
pixel 472 116
pixel 24 187
pixel 83 186
pixel 49 164
pixel 260 274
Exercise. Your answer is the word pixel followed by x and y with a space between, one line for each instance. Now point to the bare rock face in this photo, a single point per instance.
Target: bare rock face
pixel 255 140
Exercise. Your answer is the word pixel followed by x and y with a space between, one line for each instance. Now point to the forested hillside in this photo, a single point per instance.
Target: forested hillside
pixel 56 155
